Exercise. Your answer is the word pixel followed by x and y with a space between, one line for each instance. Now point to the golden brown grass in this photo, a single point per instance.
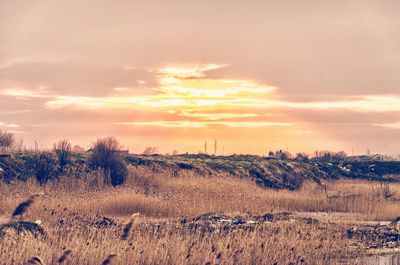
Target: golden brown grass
pixel 71 209
pixel 175 244
pixel 190 196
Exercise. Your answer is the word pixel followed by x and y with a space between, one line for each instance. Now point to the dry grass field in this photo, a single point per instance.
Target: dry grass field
pixel 209 132
pixel 88 218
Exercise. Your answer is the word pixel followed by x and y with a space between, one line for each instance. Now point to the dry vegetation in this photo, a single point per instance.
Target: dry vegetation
pixel 87 217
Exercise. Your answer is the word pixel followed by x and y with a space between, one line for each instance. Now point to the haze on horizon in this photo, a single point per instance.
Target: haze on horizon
pixel 255 76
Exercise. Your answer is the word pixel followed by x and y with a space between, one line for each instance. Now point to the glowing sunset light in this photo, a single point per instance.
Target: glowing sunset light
pixel 216 116
pixel 177 92
pixel 183 93
pixel 204 124
pixel 395 125
pixel 24 93
pixel 193 72
pixel 268 73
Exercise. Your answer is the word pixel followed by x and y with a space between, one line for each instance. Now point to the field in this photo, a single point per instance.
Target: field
pixel 192 219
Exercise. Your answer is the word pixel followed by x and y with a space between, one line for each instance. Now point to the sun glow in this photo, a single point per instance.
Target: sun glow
pixel 204 124
pixel 180 88
pixel 192 99
pixel 189 72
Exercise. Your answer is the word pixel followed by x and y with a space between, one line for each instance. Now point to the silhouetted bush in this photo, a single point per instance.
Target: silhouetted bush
pixel 42 166
pixel 12 168
pixel 106 156
pixel 6 139
pixel 62 149
pixel 302 157
pixel 183 165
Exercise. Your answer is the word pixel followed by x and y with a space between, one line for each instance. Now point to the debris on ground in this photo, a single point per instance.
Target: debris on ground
pixel 19 227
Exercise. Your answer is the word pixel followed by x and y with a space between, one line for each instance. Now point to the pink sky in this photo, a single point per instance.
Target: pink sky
pixel 254 75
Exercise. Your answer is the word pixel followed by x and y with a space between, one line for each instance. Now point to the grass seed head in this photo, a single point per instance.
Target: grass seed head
pixel 64 256
pixel 109 258
pixel 36 260
pixel 128 226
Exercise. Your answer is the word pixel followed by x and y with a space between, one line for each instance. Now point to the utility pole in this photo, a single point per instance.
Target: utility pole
pixel 215 147
pixel 205 147
pixel 36 146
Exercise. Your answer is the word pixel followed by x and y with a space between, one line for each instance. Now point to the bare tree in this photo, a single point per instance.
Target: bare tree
pixel 63 152
pixel 149 150
pixel 7 139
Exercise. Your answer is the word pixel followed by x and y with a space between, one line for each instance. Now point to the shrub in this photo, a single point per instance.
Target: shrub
pixel 106 156
pixel 6 139
pixel 62 149
pixel 11 168
pixel 302 157
pixel 183 165
pixel 42 166
pixel 383 191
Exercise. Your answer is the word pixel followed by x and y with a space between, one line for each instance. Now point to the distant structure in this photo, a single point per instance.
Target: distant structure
pixel 36 145
pixel 215 147
pixel 370 158
pixel 123 152
pixel 205 147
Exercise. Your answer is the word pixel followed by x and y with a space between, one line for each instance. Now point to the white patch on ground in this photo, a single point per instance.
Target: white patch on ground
pixel 341 218
pixel 4 219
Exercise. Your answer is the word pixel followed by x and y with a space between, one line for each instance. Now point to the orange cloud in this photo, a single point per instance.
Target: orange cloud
pixel 204 124
pixel 216 116
pixel 41 92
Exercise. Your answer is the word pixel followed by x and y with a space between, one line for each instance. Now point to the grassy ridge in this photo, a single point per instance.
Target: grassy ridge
pixel 265 171
pixel 269 172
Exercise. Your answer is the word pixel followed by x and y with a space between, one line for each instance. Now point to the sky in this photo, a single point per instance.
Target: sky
pixel 253 75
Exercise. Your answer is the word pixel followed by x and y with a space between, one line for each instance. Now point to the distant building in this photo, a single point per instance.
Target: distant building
pixel 123 152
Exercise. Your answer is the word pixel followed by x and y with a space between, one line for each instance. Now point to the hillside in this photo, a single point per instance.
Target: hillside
pixel 265 171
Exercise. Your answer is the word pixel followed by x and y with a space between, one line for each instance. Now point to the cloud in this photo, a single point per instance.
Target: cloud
pixel 327 64
pixel 10 112
pixel 216 116
pixel 204 124
pixel 189 72
pixel 393 125
pixel 69 78
pixel 9 125
pixel 172 91
pixel 369 103
pixel 17 92
pixel 182 97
